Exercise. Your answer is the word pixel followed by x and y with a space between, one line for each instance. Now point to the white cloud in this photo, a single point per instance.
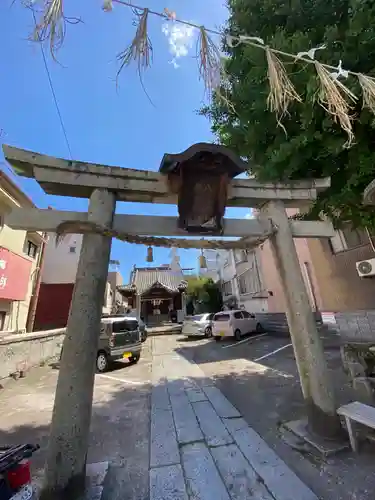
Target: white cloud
pixel 180 40
pixel 250 215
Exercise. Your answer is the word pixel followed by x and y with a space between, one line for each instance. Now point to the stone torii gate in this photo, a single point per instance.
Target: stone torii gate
pixel 104 185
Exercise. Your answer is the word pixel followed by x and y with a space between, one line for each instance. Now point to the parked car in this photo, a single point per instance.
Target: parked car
pixel 234 324
pixel 142 327
pixel 200 324
pixel 119 338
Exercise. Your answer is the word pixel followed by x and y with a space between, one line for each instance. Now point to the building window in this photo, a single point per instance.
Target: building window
pixel 3 315
pixel 31 249
pixel 240 256
pixel 348 238
pixel 72 249
pixel 243 284
pixel 227 288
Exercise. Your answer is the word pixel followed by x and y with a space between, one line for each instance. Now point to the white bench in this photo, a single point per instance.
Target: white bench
pixel 360 413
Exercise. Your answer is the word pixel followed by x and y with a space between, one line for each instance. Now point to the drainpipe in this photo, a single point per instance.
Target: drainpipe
pixel 36 289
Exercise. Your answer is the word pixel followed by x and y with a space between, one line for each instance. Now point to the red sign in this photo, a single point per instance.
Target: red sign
pixel 14 275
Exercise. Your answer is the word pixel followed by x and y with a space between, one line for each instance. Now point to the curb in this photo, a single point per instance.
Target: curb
pixel 165 332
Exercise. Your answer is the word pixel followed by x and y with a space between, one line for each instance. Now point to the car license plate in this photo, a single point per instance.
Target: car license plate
pixel 127 355
pixel 221 334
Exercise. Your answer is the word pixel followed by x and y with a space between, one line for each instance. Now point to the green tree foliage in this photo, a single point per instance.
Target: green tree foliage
pixel 204 295
pixel 313 145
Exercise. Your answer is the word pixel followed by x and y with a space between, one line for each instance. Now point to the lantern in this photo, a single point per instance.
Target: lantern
pixel 202 261
pixel 200 178
pixel 150 255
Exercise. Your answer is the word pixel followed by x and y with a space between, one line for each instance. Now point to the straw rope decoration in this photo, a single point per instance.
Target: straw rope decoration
pixel 140 49
pixel 331 98
pixel 210 62
pixel 367 84
pixel 75 227
pixel 52 24
pixel 333 95
pixel 282 91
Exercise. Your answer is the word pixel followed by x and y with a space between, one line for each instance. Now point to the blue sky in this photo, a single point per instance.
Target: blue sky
pixel 104 125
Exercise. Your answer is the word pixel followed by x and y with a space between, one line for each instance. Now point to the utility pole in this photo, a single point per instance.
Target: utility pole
pixel 308 348
pixel 65 471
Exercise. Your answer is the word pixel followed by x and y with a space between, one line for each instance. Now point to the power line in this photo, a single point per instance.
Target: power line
pixel 53 90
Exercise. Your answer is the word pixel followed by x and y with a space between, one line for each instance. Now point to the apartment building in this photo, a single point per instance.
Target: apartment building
pixel 241 280
pixel 20 255
pixel 58 279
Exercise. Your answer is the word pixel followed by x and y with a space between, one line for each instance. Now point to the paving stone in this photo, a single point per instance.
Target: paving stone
pixel 222 406
pixel 235 424
pixel 164 447
pixel 167 483
pixel 281 481
pixel 185 420
pixel 95 476
pixel 195 394
pixel 93 493
pixel 239 477
pixel 202 477
pixel 211 425
pixel 160 398
pixel 96 473
pixel 176 387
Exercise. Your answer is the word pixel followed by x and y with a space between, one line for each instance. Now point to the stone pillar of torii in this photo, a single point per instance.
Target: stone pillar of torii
pixel 103 186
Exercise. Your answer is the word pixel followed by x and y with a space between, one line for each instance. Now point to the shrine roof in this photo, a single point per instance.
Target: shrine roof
pixel 171 162
pixel 145 278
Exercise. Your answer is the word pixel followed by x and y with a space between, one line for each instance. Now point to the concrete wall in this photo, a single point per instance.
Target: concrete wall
pixel 355 326
pixel 61 262
pixel 277 324
pixel 23 351
pixel 254 305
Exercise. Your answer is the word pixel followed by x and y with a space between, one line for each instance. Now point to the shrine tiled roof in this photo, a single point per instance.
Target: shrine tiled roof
pixel 145 278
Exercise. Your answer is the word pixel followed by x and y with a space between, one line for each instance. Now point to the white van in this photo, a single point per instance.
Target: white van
pixel 234 324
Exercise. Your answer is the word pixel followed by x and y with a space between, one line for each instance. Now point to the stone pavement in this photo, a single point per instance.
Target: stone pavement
pixel 201 447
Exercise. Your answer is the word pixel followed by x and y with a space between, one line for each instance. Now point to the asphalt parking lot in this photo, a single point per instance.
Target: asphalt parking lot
pixel 259 376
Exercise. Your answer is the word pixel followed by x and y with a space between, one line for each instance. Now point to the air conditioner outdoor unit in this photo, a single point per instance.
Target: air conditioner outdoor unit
pixel 366 268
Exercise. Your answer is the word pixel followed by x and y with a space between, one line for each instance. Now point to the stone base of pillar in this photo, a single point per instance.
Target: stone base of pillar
pixel 302 437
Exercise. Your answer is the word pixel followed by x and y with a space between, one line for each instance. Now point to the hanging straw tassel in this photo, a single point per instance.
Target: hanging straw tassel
pixel 282 91
pixel 210 61
pixel 150 255
pixel 367 84
pixel 140 49
pixel 52 25
pixel 331 98
pixel 107 5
